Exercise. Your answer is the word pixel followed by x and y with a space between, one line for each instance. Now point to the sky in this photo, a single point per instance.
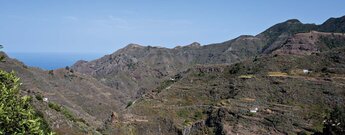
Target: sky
pixel 101 26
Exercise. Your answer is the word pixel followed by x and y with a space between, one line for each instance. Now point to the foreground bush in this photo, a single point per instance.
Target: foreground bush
pixel 16 114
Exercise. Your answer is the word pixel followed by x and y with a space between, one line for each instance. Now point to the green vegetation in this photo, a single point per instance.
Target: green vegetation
pixel 251 114
pixel 65 112
pixel 45 124
pixel 333 25
pixel 1 57
pixel 54 106
pixel 334 125
pixel 68 114
pixel 201 74
pixel 187 114
pixel 129 104
pixel 246 76
pixel 197 115
pixel 332 42
pixel 39 97
pixel 164 85
pixel 131 65
pixel 235 69
pixel 16 114
pixel 51 72
pixel 183 113
pixel 289 27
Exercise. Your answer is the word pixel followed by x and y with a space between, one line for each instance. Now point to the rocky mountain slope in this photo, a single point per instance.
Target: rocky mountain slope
pixel 199 89
pixel 83 96
pixel 312 42
pixel 285 81
pixel 136 69
pixel 221 99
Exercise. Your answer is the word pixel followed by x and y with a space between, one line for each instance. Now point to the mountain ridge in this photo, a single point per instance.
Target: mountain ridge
pixel 194 85
pixel 231 51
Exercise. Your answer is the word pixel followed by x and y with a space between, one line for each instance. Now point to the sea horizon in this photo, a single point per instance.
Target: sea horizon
pixel 52 60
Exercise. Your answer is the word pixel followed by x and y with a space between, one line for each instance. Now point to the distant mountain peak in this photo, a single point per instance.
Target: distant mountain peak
pixel 132 45
pixel 80 62
pixel 333 25
pixel 335 18
pixel 194 44
pixel 293 21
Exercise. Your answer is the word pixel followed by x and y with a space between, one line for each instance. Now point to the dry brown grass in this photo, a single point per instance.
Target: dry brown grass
pixel 246 76
pixel 277 74
pixel 247 99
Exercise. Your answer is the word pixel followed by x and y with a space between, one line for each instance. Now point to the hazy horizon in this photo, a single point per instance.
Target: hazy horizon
pixel 50 61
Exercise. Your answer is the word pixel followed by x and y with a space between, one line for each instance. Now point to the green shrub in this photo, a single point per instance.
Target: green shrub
pixel 183 113
pixel 51 72
pixel 302 133
pixel 39 97
pixel 235 69
pixel 332 42
pixel 201 74
pixel 129 104
pixel 16 114
pixel 334 125
pixel 251 114
pixel 68 114
pixel 54 106
pixel 45 126
pixel 198 115
pixel 164 85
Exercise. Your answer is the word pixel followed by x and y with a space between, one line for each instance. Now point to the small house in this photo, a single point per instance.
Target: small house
pixel 254 110
pixel 45 99
pixel 306 71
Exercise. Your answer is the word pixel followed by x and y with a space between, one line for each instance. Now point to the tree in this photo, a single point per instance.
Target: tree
pixel 335 124
pixel 17 116
pixel 1 57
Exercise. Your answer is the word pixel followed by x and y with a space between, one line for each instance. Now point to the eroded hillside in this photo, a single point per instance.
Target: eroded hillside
pixel 221 99
pixel 293 73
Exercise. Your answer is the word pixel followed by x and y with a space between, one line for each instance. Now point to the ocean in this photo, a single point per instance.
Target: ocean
pixel 49 61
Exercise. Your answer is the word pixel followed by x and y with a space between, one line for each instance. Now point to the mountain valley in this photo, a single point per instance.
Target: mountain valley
pixel 289 79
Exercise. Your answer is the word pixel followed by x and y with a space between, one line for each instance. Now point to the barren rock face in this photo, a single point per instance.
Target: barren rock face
pixel 312 42
pixel 136 67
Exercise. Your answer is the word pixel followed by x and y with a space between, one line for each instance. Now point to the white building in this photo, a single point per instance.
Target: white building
pixel 254 110
pixel 306 71
pixel 45 99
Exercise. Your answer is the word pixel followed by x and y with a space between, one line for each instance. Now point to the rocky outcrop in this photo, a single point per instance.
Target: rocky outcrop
pixel 310 43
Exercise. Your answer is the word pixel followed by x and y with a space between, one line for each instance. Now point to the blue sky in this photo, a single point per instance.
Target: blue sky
pixel 100 26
